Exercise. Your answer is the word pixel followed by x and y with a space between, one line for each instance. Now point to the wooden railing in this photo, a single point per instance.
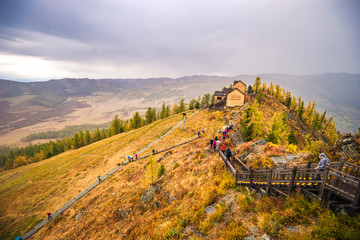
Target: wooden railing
pixel 333 181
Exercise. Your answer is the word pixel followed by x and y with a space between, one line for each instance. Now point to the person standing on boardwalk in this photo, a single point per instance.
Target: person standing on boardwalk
pixel 223 148
pixel 136 156
pixel 49 216
pixel 228 154
pixel 211 143
pixel 214 145
pixel 199 133
pixel 321 165
pixel 99 178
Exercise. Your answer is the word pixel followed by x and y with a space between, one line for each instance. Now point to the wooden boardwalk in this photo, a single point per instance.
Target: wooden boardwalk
pixel 339 183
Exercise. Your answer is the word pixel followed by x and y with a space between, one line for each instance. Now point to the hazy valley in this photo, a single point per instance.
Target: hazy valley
pixel 42 106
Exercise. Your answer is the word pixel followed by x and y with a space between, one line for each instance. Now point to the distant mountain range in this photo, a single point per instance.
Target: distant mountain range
pixel 24 104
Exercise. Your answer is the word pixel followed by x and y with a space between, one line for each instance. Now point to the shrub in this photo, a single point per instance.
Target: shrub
pixel 235 231
pixel 176 165
pixel 161 170
pixel 202 155
pixel 292 148
pixel 213 218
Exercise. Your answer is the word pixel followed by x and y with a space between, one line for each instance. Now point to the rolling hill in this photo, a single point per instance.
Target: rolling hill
pixel 41 106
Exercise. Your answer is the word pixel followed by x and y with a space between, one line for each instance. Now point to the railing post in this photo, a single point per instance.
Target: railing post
pixel 292 180
pixel 356 201
pixel 323 182
pixel 308 166
pixel 268 187
pixel 251 176
pixel 341 164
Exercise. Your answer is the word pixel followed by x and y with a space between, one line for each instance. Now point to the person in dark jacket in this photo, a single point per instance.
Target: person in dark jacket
pixel 324 160
pixel 228 153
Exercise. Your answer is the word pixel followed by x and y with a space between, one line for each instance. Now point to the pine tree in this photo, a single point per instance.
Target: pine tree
pixel 253 121
pixel 82 139
pixel 150 115
pixel 279 128
pixel 205 101
pixel 264 87
pixel 167 112
pixel 292 138
pixel 181 105
pixel 163 111
pixel 76 141
pixel 115 126
pixel 212 99
pixel 87 137
pixel 260 96
pixel 136 121
pixel 300 108
pixel 151 171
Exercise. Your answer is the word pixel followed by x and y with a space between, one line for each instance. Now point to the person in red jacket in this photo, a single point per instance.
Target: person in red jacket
pixel 223 148
pixel 49 216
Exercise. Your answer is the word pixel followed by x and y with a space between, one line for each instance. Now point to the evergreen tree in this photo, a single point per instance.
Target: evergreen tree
pixel 163 111
pixel 250 90
pixel 161 170
pixel 136 121
pixel 212 99
pixel 167 112
pixel 300 108
pixel 288 100
pixel 151 171
pixel 150 115
pixel 271 138
pixel 279 128
pixel 87 137
pixel 97 135
pixel 260 96
pixel 115 126
pixel 205 101
pixel 181 105
pixel 252 124
pixel 292 138
pixel 192 104
pixel 197 105
pixel 76 141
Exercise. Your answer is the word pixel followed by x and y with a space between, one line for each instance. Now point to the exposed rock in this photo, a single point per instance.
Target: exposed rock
pixel 279 161
pixel 265 237
pixel 295 229
pixel 236 138
pixel 244 155
pixel 254 231
pixel 261 142
pixel 149 193
pixel 249 238
pixel 209 209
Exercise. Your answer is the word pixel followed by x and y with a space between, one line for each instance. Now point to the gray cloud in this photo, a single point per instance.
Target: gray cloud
pixel 175 38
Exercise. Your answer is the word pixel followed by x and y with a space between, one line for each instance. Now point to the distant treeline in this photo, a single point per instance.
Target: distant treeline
pixel 68 131
pixel 12 157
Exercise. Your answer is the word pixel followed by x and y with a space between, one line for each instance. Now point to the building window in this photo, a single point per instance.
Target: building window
pixel 218 98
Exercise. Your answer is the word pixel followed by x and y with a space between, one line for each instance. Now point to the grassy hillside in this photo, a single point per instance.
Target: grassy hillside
pixel 28 192
pixel 195 198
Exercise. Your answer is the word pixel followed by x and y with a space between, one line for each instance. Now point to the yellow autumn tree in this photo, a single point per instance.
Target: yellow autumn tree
pixel 151 171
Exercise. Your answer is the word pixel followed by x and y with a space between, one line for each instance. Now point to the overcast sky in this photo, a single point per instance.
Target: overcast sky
pixel 48 39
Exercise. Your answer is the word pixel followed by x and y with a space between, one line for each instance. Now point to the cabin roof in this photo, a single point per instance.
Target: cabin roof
pixel 237 81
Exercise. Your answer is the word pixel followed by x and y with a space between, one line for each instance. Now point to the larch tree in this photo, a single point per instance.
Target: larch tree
pixel 257 83
pixel 151 171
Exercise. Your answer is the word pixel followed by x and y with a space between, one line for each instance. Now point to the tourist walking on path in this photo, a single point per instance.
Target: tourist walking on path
pixel 321 166
pixel 99 178
pixel 223 148
pixel 214 145
pixel 49 216
pixel 199 133
pixel 228 154
pixel 211 143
